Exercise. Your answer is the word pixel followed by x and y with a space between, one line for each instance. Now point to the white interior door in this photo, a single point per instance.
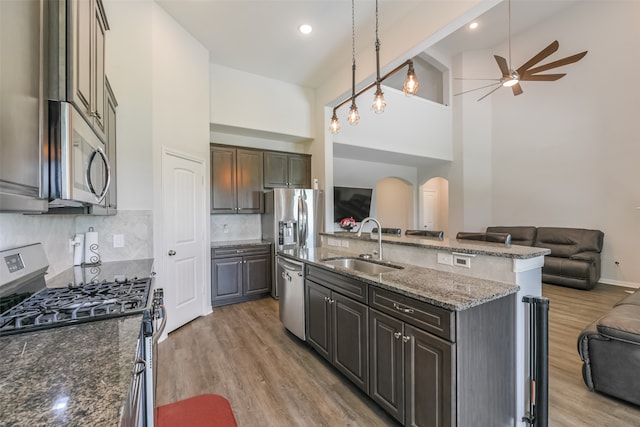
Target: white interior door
pixel 183 203
pixel 429 209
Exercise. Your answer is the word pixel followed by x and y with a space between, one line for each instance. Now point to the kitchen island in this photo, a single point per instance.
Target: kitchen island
pixel 489 285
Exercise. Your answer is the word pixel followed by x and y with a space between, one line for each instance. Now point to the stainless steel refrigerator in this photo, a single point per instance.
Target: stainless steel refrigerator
pixel 292 219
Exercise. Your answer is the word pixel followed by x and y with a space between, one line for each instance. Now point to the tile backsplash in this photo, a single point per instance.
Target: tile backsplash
pixel 235 227
pixel 56 231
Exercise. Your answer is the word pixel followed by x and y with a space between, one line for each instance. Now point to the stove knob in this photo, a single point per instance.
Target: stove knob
pixel 172 252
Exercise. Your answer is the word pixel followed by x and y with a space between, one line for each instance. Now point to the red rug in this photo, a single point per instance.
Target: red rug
pixel 199 411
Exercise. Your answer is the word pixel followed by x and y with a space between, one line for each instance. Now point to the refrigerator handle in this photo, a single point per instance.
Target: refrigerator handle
pixel 302 221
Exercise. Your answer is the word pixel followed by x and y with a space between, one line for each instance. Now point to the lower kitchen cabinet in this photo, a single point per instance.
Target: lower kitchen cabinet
pixel 423 364
pixel 411 375
pixel 240 273
pixel 337 328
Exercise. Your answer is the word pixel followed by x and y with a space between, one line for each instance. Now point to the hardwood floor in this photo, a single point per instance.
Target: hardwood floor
pixel 270 378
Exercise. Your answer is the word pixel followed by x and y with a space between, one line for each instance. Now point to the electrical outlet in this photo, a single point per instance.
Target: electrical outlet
pixel 344 243
pixel 118 240
pixel 445 258
pixel 333 242
pixel 462 261
pixel 225 228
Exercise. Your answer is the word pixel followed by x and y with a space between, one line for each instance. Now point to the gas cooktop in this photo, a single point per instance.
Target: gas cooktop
pixel 26 304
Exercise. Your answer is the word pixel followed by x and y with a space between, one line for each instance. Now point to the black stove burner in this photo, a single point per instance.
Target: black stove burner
pixel 53 307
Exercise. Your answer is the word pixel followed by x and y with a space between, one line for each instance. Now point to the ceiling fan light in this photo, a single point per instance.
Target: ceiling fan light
pixel 334 127
pixel 353 116
pixel 378 101
pixel 410 86
pixel 511 80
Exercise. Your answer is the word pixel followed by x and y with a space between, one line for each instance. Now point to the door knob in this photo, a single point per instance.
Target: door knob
pixel 172 252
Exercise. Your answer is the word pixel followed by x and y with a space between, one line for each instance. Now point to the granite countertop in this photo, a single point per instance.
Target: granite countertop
pixel 451 245
pixel 71 375
pixel 230 243
pixel 106 271
pixel 440 288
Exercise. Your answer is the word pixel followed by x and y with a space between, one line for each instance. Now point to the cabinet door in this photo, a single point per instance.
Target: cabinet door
pixel 318 318
pixel 350 339
pixel 223 180
pixel 249 181
pixel 98 71
pixel 256 274
pixel 226 279
pixel 386 384
pixel 110 126
pixel 275 170
pixel 429 381
pixel 82 17
pixel 299 171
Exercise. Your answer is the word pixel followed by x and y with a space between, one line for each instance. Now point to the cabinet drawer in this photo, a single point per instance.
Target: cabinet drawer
pixel 434 319
pixel 240 250
pixel 339 283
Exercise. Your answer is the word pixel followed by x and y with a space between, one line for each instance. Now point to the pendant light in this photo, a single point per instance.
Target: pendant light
pixel 378 101
pixel 409 88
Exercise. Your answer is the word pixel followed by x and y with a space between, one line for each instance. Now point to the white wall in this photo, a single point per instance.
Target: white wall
pixel 249 101
pixel 566 153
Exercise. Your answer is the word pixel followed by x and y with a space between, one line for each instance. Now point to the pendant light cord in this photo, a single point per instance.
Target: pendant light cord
pixel 353 50
pixel 377 47
pixel 509 5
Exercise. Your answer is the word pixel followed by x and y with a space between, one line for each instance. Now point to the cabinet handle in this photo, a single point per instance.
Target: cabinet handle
pixel 327 299
pixel 403 309
pixel 405 338
pixel 397 335
pixel 171 252
pixel 95 114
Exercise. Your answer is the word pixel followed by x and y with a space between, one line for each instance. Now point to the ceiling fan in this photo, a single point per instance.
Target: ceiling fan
pixel 528 71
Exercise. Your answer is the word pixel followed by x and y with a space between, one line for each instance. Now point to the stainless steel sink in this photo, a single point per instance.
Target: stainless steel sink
pixel 361 265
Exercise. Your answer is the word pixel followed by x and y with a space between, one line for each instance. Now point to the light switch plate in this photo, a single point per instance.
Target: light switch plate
pixel 344 243
pixel 118 240
pixel 445 258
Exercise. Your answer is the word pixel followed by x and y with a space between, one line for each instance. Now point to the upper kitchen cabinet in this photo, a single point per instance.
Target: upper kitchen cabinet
pixel 87 59
pixel 236 180
pixel 110 129
pixel 287 170
pixel 22 110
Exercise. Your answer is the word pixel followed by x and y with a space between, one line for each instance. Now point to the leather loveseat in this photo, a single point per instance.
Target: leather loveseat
pixel 574 260
pixel 610 351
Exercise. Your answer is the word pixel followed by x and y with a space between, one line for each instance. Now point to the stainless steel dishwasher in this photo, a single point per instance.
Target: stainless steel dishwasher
pixel 290 277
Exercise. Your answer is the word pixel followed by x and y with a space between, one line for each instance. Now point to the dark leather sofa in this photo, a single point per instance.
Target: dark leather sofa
pixel 574 260
pixel 610 351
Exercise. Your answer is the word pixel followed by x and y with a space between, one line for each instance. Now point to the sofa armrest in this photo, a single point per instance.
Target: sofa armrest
pixel 592 257
pixel 621 323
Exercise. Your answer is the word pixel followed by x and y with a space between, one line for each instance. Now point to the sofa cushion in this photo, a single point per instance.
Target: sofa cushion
pixel 633 299
pixel 564 242
pixel 622 323
pixel 566 267
pixel 520 235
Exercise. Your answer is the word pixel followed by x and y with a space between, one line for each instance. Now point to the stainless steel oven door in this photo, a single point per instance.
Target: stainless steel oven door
pixel 81 169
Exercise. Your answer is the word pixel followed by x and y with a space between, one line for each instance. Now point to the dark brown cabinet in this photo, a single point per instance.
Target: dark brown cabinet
pixel 240 273
pixel 337 327
pixel 411 372
pixel 236 180
pixel 287 170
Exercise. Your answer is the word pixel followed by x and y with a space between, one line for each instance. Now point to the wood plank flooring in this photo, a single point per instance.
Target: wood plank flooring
pixel 270 378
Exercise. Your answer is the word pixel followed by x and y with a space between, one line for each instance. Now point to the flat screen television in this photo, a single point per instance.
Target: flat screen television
pixel 351 202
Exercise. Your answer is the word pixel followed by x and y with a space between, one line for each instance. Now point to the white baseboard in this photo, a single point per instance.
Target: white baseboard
pixel 619 283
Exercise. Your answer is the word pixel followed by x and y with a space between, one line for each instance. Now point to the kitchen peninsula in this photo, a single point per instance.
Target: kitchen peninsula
pixel 457 307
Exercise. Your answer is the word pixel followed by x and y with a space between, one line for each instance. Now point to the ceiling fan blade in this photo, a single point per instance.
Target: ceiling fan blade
pixel 517 89
pixel 483 97
pixel 465 78
pixel 478 88
pixel 559 63
pixel 539 57
pixel 502 63
pixel 542 77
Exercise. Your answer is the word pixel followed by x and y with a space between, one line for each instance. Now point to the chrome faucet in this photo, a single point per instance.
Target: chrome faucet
pixel 364 221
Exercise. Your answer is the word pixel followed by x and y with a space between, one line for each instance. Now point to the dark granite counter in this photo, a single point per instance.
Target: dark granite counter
pixel 230 243
pixel 450 245
pixel 68 376
pixel 448 290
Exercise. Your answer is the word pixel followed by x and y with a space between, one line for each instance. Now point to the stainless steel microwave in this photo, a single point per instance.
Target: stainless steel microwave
pixel 79 171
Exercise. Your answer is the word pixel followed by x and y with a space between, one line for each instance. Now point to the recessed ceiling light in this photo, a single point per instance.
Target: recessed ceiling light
pixel 305 28
pixel 473 25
